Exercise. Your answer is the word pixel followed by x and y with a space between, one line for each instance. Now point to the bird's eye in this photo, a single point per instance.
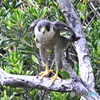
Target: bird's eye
pixel 39 28
pixel 48 27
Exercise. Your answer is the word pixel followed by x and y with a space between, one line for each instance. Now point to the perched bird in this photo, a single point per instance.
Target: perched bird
pixel 47 36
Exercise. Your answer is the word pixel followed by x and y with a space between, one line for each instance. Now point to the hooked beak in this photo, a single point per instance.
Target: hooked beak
pixel 43 29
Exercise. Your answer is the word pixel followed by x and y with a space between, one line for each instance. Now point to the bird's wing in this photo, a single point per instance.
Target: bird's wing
pixel 32 26
pixel 62 27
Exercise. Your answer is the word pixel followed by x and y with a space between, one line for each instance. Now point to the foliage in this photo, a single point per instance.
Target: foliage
pixel 9 6
pixel 93 37
pixel 18 52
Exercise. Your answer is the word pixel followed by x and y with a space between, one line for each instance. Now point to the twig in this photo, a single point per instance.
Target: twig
pixel 37 55
pixel 42 94
pixel 95 13
pixel 26 42
pixel 95 9
pixel 90 21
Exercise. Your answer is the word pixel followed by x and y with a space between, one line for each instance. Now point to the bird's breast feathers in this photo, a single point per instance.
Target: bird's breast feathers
pixel 44 37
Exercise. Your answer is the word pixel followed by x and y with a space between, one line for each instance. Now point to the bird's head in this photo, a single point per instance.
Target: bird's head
pixel 44 26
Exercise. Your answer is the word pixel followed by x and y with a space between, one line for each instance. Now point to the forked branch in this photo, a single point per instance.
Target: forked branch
pixel 77 86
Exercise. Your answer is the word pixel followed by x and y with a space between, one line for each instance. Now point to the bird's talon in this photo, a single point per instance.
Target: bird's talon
pixel 42 76
pixel 55 77
pixel 41 73
pixel 45 73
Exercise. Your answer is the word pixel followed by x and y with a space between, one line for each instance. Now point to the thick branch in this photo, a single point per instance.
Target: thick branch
pixel 72 19
pixel 76 86
pixel 34 82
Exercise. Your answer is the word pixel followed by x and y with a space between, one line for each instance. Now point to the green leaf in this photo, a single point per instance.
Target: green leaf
pixel 64 74
pixel 45 10
pixel 13 4
pixel 2 12
pixel 6 34
pixel 5 95
pixel 1 42
pixel 19 90
pixel 18 4
pixel 7 11
pixel 98 82
pixel 35 60
pixel 37 12
pixel 26 51
pixel 32 94
pixel 35 67
pixel 7 4
pixel 4 5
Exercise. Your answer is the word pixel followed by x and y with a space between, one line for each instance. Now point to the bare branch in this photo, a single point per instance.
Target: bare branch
pixel 76 86
pixel 73 20
pixel 94 9
pixel 26 42
pixel 34 82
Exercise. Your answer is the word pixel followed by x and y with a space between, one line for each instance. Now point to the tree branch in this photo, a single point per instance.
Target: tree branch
pixel 73 20
pixel 34 82
pixel 81 45
pixel 76 86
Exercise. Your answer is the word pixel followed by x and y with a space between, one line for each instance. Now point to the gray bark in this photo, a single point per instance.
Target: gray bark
pixel 74 84
pixel 72 19
pixel 77 87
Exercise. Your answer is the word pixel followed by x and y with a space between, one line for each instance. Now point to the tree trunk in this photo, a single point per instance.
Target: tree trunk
pixel 73 20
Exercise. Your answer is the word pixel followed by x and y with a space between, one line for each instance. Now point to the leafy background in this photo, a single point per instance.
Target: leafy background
pixel 19 54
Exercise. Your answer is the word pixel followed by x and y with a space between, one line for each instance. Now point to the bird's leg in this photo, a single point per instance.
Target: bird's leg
pixel 46 72
pixel 44 58
pixel 55 77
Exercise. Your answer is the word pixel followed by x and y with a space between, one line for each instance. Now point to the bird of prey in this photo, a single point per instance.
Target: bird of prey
pixel 47 36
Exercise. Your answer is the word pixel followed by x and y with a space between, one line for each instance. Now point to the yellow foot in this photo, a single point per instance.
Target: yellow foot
pixel 46 72
pixel 55 77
